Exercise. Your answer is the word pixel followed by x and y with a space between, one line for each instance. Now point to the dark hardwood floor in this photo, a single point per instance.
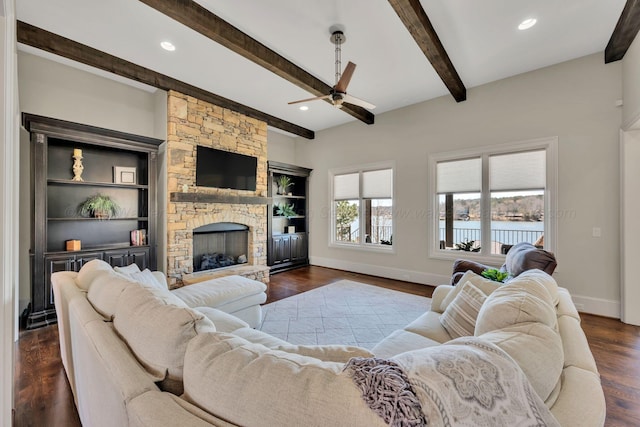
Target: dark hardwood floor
pixel 43 397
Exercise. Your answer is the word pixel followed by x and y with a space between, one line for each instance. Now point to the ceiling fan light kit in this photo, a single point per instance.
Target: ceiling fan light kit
pixel 338 94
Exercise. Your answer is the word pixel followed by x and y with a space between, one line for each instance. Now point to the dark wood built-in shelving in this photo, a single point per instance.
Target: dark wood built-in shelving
pixel 287 250
pixel 56 198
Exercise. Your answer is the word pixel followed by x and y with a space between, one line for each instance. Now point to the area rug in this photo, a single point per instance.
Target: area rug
pixel 344 312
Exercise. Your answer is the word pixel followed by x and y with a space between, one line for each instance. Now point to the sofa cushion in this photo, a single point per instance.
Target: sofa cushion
pixel 537 349
pixel 428 325
pixel 223 321
pixel 401 341
pixel 540 278
pixel 106 289
pixel 90 271
pixel 215 292
pixel 158 332
pixel 459 319
pixel 487 286
pixel 514 303
pixel 249 384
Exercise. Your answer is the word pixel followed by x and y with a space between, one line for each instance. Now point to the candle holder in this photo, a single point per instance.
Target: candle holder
pixel 77 165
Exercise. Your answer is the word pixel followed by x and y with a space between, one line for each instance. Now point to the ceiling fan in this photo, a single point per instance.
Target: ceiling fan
pixel 338 94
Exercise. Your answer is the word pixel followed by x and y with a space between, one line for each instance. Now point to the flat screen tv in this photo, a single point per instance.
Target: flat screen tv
pixel 223 169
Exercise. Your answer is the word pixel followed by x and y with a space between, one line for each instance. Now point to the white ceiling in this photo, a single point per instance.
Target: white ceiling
pixel 481 38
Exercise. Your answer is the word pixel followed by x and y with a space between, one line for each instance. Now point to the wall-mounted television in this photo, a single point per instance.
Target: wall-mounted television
pixel 224 169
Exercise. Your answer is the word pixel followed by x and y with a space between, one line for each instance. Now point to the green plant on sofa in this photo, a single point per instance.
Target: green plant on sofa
pixel 495 274
pixel 99 206
pixel 284 209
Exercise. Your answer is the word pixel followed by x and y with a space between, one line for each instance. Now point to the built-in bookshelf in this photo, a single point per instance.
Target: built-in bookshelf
pixel 114 164
pixel 288 223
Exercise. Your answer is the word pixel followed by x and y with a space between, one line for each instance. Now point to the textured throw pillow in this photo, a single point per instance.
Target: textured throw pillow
pixel 459 319
pixel 487 286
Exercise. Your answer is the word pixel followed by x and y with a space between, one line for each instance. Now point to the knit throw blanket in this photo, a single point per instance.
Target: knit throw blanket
pixel 466 382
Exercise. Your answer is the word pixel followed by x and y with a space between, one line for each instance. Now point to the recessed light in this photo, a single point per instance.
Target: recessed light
pixel 304 108
pixel 168 46
pixel 527 23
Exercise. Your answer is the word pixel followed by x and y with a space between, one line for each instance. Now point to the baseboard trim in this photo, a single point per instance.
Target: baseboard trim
pixel 381 271
pixel 598 306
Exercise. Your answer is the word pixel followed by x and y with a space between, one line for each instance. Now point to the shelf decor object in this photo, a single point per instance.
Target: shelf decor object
pixel 124 175
pixel 77 164
pixel 99 206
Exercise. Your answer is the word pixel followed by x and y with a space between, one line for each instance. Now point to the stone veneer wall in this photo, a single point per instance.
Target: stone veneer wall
pixel 193 122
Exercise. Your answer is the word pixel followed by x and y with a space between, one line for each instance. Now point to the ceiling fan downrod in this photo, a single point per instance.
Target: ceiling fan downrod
pixel 338 37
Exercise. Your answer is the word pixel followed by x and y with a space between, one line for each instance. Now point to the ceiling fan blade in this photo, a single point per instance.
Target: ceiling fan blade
pixel 310 99
pixel 342 84
pixel 357 101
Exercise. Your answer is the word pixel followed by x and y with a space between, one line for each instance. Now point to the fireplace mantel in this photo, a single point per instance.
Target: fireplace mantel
pixel 218 198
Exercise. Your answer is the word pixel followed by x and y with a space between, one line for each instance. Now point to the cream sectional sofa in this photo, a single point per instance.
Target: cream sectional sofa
pixel 138 355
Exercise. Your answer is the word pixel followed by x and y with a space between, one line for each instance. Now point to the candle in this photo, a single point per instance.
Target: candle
pixel 77 152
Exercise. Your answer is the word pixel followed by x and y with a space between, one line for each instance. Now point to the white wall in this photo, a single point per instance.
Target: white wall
pixel 630 180
pixel 574 101
pixel 9 165
pixel 51 89
pixel 631 85
pixel 280 147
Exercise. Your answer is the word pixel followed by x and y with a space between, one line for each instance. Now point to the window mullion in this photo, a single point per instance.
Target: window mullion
pixel 485 208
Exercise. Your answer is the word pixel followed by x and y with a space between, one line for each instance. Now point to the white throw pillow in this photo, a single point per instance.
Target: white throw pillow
pixel 459 319
pixel 146 277
pixel 128 270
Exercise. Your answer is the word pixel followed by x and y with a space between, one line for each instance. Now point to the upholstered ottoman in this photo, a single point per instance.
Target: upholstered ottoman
pixel 235 295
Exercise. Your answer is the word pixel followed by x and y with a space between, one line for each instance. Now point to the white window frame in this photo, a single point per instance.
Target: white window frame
pixel 362 246
pixel 549 144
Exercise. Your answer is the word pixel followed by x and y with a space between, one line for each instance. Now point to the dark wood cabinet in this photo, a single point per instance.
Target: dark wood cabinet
pixel 56 197
pixel 287 217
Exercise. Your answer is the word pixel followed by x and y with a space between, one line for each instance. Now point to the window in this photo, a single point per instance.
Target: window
pixel 362 206
pixel 488 199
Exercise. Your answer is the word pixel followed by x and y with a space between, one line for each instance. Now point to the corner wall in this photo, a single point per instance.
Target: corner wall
pixel 574 101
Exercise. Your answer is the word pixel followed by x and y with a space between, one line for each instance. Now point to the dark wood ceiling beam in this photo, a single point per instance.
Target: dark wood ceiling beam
pixel 58 45
pixel 625 32
pixel 417 22
pixel 200 19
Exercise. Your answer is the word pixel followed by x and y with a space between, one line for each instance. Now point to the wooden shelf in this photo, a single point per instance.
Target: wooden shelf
pixel 282 196
pixel 96 184
pixel 139 218
pixel 288 217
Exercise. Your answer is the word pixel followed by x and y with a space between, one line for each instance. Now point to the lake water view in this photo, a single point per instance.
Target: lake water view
pixel 506 232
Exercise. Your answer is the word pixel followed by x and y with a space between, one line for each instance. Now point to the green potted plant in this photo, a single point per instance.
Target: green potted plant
pixel 284 182
pixel 99 206
pixel 283 209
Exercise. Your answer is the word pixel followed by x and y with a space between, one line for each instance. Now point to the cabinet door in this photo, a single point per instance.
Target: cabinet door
pixel 55 263
pixel 117 258
pixel 298 247
pixel 82 259
pixel 139 256
pixel 281 249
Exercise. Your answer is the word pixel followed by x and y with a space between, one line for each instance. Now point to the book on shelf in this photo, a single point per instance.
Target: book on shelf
pixel 138 237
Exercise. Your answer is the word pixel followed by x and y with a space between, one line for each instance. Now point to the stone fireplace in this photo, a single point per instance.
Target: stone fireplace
pixel 195 215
